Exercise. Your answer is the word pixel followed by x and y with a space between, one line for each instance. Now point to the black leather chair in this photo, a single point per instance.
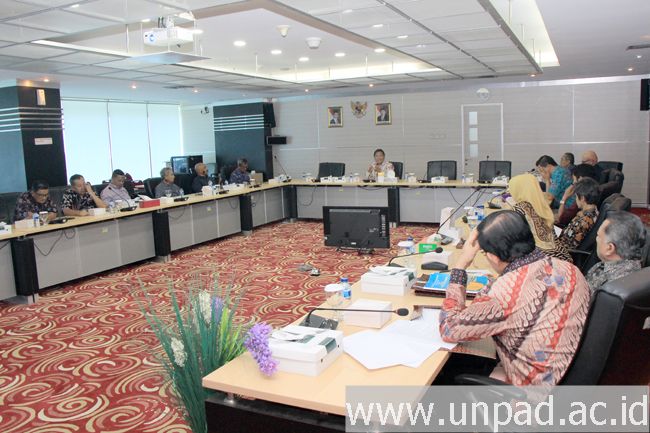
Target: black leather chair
pixel 606 165
pixel 399 168
pixel 184 181
pixel 488 170
pixel 336 169
pixel 150 186
pixel 441 168
pixel 612 183
pixel 584 256
pixel 8 205
pixel 645 256
pixel 614 348
pixel 226 171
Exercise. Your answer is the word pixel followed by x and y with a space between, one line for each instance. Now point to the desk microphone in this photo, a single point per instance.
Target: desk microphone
pixel 282 168
pixel 460 206
pixel 321 322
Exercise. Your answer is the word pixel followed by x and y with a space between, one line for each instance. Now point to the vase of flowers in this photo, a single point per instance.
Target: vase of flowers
pixel 198 335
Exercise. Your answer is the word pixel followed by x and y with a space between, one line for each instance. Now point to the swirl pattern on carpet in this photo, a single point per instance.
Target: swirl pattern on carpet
pixel 83 359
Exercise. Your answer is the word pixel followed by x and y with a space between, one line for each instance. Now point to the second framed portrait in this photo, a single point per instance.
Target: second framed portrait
pixel 383 116
pixel 334 117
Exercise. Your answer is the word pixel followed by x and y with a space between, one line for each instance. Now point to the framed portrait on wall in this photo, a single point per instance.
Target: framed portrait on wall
pixel 334 117
pixel 383 116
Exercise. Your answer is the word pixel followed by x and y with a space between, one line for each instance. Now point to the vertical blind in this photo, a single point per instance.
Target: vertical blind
pixel 137 138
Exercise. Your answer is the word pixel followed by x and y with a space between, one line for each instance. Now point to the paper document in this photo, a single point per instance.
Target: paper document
pixel 557 230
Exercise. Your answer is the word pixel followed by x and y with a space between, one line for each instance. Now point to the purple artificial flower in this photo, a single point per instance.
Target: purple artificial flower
pixel 257 343
pixel 217 305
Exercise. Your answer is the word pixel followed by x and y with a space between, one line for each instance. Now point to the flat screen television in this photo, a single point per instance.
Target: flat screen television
pixel 362 228
pixel 185 164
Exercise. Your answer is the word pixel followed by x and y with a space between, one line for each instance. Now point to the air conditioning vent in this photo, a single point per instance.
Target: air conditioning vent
pixel 176 87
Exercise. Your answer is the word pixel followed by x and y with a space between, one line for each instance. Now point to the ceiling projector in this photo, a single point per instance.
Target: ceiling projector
pixel 162 37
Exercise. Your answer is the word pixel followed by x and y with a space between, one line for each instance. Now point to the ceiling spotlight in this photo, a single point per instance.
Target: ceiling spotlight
pixel 638 56
pixel 402 36
pixel 195 90
pixel 303 59
pixel 630 69
pixel 46 80
pixel 371 85
pixel 284 30
pixel 133 86
pixel 239 43
pixel 377 26
pixel 313 42
pixel 197 31
pixel 420 46
pixel 348 11
pixel 306 90
pixel 276 52
pixel 74 6
pixel 532 75
pixel 380 50
pixel 146 20
pixel 339 54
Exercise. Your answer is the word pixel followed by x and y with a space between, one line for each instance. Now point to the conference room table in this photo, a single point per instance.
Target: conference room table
pixel 249 401
pixel 54 254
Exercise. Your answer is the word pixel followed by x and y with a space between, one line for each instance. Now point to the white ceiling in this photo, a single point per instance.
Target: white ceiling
pixel 446 40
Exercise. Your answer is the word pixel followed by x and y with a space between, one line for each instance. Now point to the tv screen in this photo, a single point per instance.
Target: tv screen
pixel 363 228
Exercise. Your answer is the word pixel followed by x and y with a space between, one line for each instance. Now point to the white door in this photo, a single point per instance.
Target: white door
pixel 482 135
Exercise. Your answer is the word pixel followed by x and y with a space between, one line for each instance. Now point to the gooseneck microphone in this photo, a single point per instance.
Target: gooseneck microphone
pixel 460 206
pixel 281 167
pixel 331 324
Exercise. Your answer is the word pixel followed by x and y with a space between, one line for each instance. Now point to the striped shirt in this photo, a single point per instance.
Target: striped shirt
pixel 534 311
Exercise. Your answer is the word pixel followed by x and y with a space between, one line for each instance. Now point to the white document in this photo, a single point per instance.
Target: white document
pixel 557 230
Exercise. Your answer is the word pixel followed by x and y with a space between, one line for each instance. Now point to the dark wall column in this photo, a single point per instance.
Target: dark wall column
pixel 32 136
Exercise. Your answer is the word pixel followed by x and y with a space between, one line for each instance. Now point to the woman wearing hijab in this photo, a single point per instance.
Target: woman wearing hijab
pixel 528 200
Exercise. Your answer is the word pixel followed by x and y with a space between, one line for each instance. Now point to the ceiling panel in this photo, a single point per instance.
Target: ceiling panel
pixel 87 70
pixel 368 17
pixel 16 33
pixel 411 41
pixel 13 8
pixel 41 66
pixel 199 73
pixel 126 10
pixel 32 51
pixel 62 21
pixel 398 78
pixel 7 61
pixel 49 3
pixel 424 9
pixel 474 35
pixel 161 78
pixel 163 69
pixel 487 43
pixel 86 58
pixel 460 22
pixel 128 75
pixel 389 30
pixel 320 7
pixel 191 82
pixel 5 43
pixel 125 64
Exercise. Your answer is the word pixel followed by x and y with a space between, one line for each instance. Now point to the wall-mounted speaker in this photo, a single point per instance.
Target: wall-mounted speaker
pixel 276 139
pixel 269 115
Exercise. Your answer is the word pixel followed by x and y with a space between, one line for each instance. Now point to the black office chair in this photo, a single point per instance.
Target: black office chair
pixel 606 165
pixel 150 186
pixel 584 256
pixel 614 348
pixel 399 168
pixel 8 206
pixel 488 170
pixel 226 171
pixel 184 181
pixel 336 169
pixel 612 183
pixel 441 168
pixel 645 255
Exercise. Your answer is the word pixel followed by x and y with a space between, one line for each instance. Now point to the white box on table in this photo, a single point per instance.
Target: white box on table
pixel 397 284
pixel 96 211
pixel 309 356
pixel 368 319
pixel 27 223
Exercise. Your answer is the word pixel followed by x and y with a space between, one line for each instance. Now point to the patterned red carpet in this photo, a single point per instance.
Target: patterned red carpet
pixel 80 360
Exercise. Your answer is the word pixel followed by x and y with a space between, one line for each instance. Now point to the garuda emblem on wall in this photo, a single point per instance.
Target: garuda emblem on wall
pixel 359 109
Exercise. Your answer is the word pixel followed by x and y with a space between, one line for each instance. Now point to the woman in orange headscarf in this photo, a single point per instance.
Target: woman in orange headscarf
pixel 528 200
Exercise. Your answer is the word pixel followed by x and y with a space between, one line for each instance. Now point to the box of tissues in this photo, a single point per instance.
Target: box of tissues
pixel 368 319
pixel 387 280
pixel 304 350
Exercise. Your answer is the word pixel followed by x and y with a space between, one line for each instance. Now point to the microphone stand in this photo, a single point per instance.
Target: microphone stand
pixel 283 170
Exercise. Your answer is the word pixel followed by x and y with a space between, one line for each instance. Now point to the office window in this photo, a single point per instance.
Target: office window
pixel 130 138
pixel 164 134
pixel 86 140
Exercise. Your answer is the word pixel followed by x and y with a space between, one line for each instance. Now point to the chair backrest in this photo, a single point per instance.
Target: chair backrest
pixel 606 165
pixel 645 255
pixel 184 181
pixel 441 168
pixel 488 170
pixel 326 169
pixel 226 170
pixel 150 186
pixel 614 347
pixel 612 182
pixel 399 168
pixel 8 206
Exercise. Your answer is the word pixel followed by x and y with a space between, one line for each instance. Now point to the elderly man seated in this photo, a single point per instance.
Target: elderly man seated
pixel 619 244
pixel 535 310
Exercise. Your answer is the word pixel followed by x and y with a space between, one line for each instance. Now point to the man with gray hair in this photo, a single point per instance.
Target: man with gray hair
pixel 167 188
pixel 619 244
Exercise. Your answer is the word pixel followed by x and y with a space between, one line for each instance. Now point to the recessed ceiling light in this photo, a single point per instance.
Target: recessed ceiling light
pixel 195 90
pixel 146 20
pixel 348 11
pixel 630 69
pixel 377 26
pixel 420 46
pixel 402 36
pixel 339 54
pixel 197 31
pixel 74 6
pixel 380 50
pixel 46 80
pixel 276 52
pixel 133 86
pixel 306 90
pixel 303 59
pixel 371 85
pixel 638 56
pixel 533 75
pixel 239 43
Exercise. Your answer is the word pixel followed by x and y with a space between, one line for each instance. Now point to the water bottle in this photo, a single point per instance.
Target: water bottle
pixel 36 219
pixel 463 178
pixel 346 292
pixel 181 192
pixel 111 206
pixel 412 248
pixel 406 248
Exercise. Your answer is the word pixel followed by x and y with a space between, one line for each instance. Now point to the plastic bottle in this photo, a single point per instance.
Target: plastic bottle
pixel 346 292
pixel 182 193
pixel 412 248
pixel 36 219
pixel 111 206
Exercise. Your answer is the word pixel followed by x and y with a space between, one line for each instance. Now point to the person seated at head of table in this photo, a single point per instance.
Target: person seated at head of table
pixel 619 244
pixel 240 174
pixel 35 201
pixel 587 195
pixel 590 157
pixel 79 197
pixel 115 190
pixel 380 165
pixel 202 179
pixel 528 200
pixel 167 187
pixel 557 179
pixel 568 207
pixel 535 310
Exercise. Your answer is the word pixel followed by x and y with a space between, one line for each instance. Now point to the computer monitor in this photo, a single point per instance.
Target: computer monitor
pixel 362 228
pixel 185 164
